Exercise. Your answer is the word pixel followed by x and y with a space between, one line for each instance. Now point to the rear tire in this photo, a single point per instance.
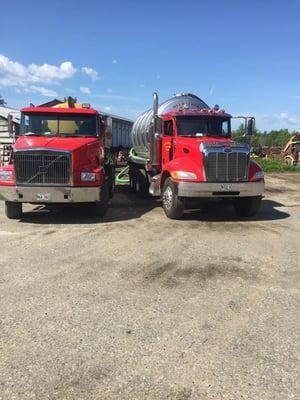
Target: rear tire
pixel 247 206
pixel 111 185
pixel 13 210
pixel 141 183
pixel 172 204
pixel 132 179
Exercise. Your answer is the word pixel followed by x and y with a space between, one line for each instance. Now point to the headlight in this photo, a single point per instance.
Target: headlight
pixel 259 175
pixel 6 175
pixel 88 176
pixel 183 175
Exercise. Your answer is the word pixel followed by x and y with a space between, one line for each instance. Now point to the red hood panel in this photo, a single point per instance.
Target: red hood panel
pixel 59 143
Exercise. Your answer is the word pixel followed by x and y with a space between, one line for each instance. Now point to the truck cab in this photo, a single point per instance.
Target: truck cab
pixel 61 155
pixel 191 155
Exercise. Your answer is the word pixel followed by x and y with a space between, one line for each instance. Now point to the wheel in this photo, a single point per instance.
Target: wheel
pixel 111 186
pixel 247 206
pixel 172 204
pixel 100 207
pixel 141 183
pixel 13 210
pixel 132 179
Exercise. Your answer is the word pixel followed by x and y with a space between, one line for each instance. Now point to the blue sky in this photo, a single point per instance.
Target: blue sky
pixel 244 56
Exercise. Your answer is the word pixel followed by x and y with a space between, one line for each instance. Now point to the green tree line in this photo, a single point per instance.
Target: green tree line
pixel 274 138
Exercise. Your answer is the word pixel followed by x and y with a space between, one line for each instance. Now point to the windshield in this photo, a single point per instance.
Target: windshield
pixel 203 126
pixel 58 125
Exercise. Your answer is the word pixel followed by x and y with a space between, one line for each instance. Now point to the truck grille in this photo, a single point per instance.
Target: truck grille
pixel 226 164
pixel 42 167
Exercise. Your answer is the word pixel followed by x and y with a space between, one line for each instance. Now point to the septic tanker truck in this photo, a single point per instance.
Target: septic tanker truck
pixel 183 149
pixel 61 155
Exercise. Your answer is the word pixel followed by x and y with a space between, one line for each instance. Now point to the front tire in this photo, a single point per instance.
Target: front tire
pixel 172 204
pixel 247 206
pixel 100 207
pixel 13 210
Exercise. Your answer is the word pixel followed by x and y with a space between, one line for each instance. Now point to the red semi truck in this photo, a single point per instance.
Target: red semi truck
pixel 183 149
pixel 61 155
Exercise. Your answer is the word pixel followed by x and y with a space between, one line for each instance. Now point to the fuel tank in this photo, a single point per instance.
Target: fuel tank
pixel 141 132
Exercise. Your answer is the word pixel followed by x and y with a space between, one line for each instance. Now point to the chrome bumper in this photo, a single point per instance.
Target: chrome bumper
pixel 42 194
pixel 208 189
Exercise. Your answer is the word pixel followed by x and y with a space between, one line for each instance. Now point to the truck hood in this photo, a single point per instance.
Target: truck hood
pixel 57 143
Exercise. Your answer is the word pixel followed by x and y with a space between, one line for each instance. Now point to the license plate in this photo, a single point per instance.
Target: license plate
pixel 43 197
pixel 226 187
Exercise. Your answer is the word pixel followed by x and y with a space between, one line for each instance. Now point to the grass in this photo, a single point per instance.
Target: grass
pixel 275 166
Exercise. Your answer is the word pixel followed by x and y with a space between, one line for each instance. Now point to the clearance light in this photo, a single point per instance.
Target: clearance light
pixel 5 175
pixel 85 105
pixel 184 175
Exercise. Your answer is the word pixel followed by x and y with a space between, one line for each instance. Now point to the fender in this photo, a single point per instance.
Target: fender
pixel 185 164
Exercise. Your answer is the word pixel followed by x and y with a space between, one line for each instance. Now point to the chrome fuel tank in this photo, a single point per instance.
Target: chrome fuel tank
pixel 140 133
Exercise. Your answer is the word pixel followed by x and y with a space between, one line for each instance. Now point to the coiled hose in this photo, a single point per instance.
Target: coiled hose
pixel 121 178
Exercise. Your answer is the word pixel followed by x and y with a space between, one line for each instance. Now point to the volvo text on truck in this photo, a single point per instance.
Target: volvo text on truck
pixel 183 149
pixel 61 155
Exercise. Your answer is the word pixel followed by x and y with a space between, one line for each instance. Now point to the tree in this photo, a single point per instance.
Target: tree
pixel 2 101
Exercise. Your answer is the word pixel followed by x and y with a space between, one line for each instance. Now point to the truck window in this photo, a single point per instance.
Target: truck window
pixel 58 125
pixel 203 126
pixel 168 128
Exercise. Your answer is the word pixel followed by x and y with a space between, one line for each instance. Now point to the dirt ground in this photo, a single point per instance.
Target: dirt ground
pixel 137 306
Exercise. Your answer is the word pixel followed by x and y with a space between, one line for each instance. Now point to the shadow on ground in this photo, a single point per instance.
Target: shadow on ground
pixel 123 207
pixel 126 206
pixel 224 211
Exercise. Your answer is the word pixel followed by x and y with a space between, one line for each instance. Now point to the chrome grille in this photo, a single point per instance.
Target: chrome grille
pixel 42 167
pixel 226 164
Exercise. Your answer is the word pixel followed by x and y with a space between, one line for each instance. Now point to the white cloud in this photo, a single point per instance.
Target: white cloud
pixel 85 90
pixel 37 89
pixel 93 74
pixel 114 62
pixel 286 118
pixel 109 90
pixel 107 109
pixel 13 73
pixel 118 97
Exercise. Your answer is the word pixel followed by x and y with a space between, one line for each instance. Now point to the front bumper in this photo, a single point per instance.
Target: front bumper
pixel 209 189
pixel 42 194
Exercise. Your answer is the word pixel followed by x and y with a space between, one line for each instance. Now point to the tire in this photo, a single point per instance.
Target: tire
pixel 13 210
pixel 100 207
pixel 111 186
pixel 132 179
pixel 172 204
pixel 247 206
pixel 141 184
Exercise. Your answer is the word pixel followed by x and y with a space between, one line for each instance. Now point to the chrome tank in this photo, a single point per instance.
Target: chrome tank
pixel 141 132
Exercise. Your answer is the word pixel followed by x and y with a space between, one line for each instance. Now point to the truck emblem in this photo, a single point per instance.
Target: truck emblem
pixel 42 169
pixel 227 148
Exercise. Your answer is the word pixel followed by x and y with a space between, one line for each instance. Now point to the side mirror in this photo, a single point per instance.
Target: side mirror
pixel 10 125
pixel 250 129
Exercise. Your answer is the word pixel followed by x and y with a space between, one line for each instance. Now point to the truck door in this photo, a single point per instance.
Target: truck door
pixel 167 141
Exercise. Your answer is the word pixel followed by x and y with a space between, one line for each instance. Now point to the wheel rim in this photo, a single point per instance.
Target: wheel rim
pixel 168 198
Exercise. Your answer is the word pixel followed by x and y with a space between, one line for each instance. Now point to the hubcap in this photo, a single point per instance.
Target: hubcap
pixel 168 198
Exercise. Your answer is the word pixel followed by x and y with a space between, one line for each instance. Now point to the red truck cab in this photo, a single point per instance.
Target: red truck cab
pixel 182 151
pixel 61 155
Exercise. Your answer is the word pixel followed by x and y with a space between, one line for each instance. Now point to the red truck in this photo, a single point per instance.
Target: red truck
pixel 61 155
pixel 183 149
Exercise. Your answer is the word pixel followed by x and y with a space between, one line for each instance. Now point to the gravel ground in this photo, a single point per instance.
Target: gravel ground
pixel 137 306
